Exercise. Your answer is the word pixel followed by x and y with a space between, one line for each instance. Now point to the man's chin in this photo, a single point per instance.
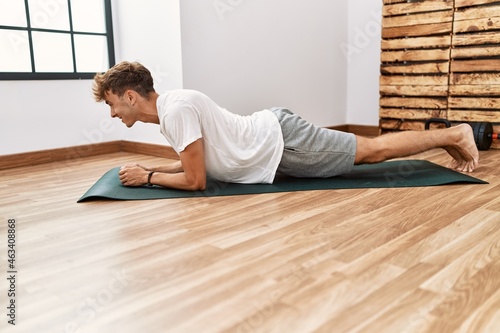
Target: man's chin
pixel 129 125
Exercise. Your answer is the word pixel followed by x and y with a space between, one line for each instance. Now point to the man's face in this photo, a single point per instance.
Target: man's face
pixel 121 108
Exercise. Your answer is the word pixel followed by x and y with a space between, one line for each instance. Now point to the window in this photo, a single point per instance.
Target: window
pixel 55 39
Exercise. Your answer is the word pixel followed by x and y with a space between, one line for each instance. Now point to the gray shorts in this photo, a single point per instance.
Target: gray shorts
pixel 311 151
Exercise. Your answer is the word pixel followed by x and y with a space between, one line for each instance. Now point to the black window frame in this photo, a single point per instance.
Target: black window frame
pixel 33 75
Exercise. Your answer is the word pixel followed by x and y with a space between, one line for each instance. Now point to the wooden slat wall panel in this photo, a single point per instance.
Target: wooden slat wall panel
pixel 432 68
pixel 475 63
pixel 472 115
pixel 484 51
pixel 474 103
pixel 414 91
pixel 415 55
pixel 480 38
pixel 418 19
pixel 473 90
pixel 477 12
pixel 420 80
pixel 414 102
pixel 475 79
pixel 404 8
pixel 439 59
pixel 467 3
pixel 418 114
pixel 416 43
pixel 417 30
pixel 477 25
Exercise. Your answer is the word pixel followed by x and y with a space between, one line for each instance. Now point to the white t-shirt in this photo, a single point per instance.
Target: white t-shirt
pixel 238 149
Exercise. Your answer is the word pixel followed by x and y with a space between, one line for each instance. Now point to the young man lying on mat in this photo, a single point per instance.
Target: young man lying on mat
pixel 252 149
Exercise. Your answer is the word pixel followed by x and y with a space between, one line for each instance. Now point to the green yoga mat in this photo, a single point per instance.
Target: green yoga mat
pixel 406 173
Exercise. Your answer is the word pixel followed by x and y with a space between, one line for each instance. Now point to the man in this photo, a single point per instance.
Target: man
pixel 252 149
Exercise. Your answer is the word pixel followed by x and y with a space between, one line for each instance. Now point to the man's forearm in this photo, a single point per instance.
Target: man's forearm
pixel 178 181
pixel 174 167
pixel 135 175
pixel 187 174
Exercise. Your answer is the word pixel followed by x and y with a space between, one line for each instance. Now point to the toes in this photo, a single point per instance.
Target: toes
pixel 461 166
pixel 453 164
pixel 472 166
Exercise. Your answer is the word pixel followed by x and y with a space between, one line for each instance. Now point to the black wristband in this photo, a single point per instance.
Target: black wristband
pixel 149 178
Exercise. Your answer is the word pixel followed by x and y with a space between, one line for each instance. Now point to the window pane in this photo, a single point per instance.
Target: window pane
pixel 88 15
pixel 91 53
pixel 52 52
pixel 49 14
pixel 12 13
pixel 54 39
pixel 15 54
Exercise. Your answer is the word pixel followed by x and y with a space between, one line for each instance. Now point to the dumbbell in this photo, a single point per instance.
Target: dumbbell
pixel 483 132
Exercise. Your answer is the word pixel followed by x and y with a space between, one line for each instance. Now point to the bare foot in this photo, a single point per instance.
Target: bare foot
pixel 464 151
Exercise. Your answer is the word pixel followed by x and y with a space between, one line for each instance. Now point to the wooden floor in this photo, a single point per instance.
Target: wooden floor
pixel 375 260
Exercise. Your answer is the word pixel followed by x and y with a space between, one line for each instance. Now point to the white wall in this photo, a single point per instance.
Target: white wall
pixel 251 55
pixel 38 115
pixel 247 55
pixel 363 51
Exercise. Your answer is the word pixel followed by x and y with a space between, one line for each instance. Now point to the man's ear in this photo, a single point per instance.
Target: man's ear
pixel 131 96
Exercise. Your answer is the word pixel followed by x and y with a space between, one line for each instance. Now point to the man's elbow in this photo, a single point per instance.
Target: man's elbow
pixel 201 185
pixel 198 184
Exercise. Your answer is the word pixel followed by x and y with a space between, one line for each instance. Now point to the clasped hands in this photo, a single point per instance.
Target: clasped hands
pixel 133 175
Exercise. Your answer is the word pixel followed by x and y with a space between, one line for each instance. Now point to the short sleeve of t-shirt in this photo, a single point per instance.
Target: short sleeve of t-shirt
pixel 184 125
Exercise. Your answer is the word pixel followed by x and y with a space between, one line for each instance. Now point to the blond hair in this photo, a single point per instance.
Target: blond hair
pixel 122 77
